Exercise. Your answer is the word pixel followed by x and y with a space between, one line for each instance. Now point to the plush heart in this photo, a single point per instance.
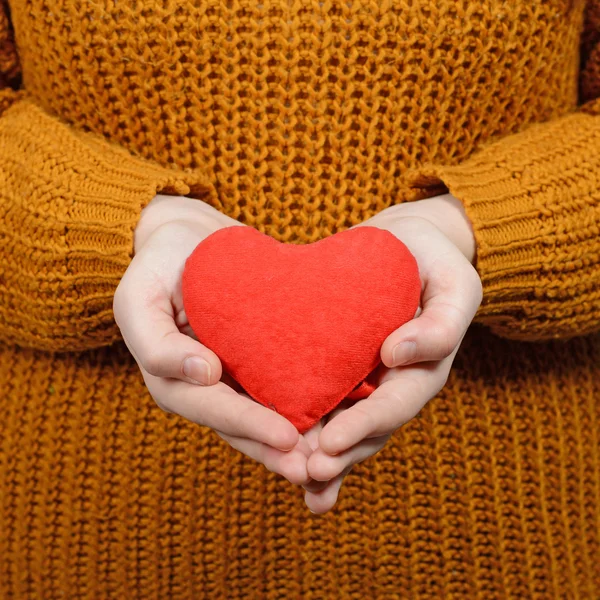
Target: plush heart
pixel 300 326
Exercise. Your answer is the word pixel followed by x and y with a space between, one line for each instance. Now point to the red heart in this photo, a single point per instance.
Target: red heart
pixel 299 326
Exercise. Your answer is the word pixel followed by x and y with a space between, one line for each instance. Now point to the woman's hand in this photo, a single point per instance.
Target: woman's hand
pixel 182 375
pixel 416 357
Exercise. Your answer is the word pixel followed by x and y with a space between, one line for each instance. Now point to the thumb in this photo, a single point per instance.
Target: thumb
pixel 144 313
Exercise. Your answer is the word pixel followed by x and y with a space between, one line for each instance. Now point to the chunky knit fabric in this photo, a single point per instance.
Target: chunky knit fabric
pixel 300 119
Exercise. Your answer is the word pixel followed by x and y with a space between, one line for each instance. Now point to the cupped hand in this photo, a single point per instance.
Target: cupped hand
pixel 416 358
pixel 182 375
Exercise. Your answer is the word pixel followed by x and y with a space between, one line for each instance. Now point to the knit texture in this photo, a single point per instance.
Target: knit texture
pixel 493 492
pixel 66 225
pixel 301 119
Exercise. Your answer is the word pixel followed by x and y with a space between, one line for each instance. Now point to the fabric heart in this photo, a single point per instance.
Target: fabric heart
pixel 299 326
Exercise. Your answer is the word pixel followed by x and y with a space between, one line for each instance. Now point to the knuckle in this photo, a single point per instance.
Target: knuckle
pixel 446 337
pixel 399 410
pixel 406 403
pixel 166 231
pixel 408 220
pixel 153 363
pixel 368 418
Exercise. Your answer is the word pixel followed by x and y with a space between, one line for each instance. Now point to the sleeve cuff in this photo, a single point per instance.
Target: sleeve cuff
pixel 532 199
pixel 71 202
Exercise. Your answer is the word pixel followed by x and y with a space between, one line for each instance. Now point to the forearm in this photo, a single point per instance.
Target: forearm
pixel 533 201
pixel 69 205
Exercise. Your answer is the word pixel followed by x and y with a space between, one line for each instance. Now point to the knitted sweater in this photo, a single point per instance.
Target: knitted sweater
pixel 300 119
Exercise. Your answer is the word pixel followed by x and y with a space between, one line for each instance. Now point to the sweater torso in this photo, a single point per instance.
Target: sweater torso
pixel 304 115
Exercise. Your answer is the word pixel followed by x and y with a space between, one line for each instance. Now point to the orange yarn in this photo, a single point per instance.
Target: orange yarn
pixel 301 119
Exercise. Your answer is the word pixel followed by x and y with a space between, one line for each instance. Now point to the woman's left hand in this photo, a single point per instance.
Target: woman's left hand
pixel 417 357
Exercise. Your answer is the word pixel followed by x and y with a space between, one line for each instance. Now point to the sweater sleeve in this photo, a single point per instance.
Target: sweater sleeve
pixel 533 199
pixel 69 204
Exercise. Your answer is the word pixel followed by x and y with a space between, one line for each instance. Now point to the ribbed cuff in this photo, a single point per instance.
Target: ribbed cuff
pixel 71 202
pixel 532 199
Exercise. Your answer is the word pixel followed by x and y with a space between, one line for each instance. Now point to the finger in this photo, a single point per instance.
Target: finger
pixel 143 310
pixel 312 439
pixel 315 486
pixel 303 446
pixel 452 293
pixel 155 342
pixel 323 501
pixel 291 464
pixel 345 404
pixel 183 324
pixel 401 395
pixel 432 336
pixel 312 435
pixel 324 467
pixel 222 409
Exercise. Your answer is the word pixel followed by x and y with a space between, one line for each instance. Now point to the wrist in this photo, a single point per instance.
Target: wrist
pixel 163 210
pixel 447 213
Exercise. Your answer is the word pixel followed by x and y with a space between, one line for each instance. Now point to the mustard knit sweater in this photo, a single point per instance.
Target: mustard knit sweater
pixel 300 118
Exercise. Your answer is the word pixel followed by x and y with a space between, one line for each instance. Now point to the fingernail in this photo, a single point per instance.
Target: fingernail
pixel 198 369
pixel 404 352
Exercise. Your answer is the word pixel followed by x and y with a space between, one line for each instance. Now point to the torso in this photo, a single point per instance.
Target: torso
pixel 305 116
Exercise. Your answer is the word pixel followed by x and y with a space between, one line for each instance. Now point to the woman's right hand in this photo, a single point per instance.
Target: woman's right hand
pixel 182 375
